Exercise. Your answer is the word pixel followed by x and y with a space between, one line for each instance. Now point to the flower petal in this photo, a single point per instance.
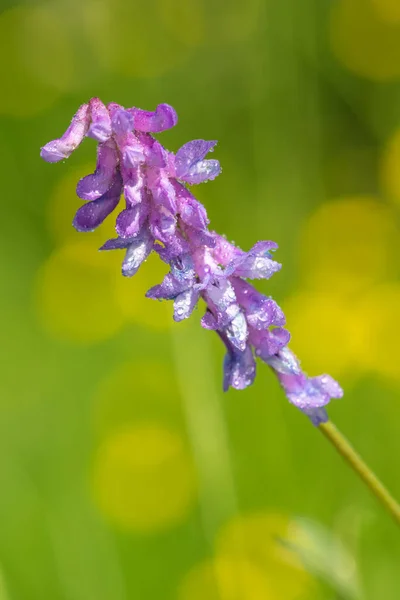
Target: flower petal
pixel 168 289
pixel 121 120
pixel 173 246
pixel 222 294
pixel 163 118
pixel 92 214
pixel 189 163
pixel 136 253
pixel 239 368
pixel 185 303
pixel 255 264
pixel 117 244
pixel 162 190
pixel 209 321
pixel 130 221
pixel 63 147
pixel 268 342
pixel 327 385
pixel 237 331
pixel 162 223
pixel 100 127
pixel 224 251
pixel 304 392
pixel 191 211
pixel 134 186
pixel 261 312
pixel 95 185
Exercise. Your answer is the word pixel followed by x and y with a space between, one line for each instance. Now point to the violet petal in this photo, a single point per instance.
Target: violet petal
pixel 92 214
pixel 163 118
pixel 162 223
pixel 239 369
pixel 185 303
pixel 95 185
pixel 63 147
pixel 255 264
pixel 269 342
pixel 261 312
pixel 122 121
pixel 100 127
pixel 117 244
pixel 237 331
pixel 130 221
pixel 190 165
pixel 136 254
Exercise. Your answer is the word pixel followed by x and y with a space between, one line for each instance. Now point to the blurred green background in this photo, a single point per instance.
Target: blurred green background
pixel 125 472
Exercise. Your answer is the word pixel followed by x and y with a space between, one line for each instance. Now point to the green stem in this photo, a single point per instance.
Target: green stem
pixel 361 468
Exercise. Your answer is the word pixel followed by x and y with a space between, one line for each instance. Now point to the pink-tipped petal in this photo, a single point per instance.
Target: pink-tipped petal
pixel 100 127
pixel 163 118
pixel 63 147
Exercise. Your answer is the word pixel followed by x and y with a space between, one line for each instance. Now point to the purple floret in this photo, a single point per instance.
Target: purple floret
pixel 160 213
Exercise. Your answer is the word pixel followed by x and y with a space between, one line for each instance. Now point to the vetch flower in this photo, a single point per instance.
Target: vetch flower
pixel 160 213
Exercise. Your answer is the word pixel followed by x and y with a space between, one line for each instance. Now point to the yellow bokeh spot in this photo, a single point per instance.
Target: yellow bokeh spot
pixel 75 297
pixel 364 42
pixel 136 390
pixel 130 296
pixel 136 40
pixel 226 579
pixel 35 63
pixel 390 168
pixel 378 344
pixel 348 244
pixel 323 329
pixel 252 562
pixel 260 538
pixel 144 478
pixel 388 10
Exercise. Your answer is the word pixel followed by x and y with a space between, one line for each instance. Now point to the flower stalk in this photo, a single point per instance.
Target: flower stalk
pixel 343 446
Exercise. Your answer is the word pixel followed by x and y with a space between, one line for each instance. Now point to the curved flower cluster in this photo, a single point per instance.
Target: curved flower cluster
pixel 161 214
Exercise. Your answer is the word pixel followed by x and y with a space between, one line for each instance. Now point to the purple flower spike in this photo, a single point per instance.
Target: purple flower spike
pixel 163 118
pixel 100 127
pixel 190 165
pixel 92 214
pixel 95 185
pixel 161 214
pixel 64 146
